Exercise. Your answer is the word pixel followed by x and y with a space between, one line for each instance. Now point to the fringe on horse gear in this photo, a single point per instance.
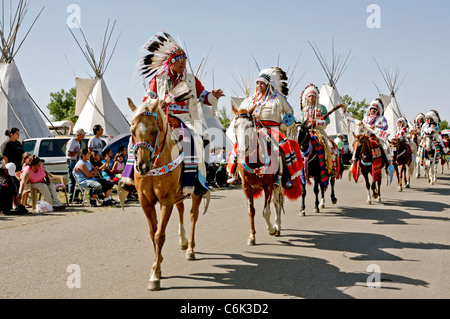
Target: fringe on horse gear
pixel 377 162
pixel 318 147
pixel 328 159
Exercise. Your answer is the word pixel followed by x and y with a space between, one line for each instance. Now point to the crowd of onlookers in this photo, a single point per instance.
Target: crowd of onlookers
pixel 93 167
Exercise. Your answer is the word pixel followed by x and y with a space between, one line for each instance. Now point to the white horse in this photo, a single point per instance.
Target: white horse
pixel 429 157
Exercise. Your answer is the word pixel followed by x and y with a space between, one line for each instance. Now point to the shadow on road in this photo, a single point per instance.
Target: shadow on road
pixel 285 275
pixel 390 216
pixel 365 246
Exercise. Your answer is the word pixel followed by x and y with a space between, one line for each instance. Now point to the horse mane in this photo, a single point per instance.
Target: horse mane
pixel 153 108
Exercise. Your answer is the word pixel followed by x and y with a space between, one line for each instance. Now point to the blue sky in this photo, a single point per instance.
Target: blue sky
pixel 413 37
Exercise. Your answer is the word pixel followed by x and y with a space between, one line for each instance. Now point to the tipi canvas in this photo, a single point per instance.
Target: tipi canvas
pixel 100 108
pixel 17 108
pixel 94 103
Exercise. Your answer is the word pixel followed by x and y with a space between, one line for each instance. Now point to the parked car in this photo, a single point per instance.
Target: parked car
pixel 346 148
pixel 53 151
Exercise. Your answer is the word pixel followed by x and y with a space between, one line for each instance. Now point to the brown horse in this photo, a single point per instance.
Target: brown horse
pixel 363 162
pixel 258 170
pixel 402 160
pixel 154 148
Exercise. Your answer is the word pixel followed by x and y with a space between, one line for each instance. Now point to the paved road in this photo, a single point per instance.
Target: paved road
pixel 327 255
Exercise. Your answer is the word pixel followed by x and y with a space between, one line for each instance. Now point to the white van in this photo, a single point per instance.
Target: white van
pixel 53 151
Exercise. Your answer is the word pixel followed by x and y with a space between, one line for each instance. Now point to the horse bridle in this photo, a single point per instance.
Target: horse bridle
pixel 152 148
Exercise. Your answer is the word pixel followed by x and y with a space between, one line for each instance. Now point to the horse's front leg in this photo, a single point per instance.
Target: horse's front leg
pixel 302 209
pixel 333 196
pixel 159 240
pixel 366 178
pixel 316 193
pixel 266 211
pixel 278 199
pixel 181 230
pixel 251 213
pixel 196 201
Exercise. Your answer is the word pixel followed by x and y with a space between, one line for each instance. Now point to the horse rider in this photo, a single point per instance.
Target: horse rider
pixel 378 125
pixel 272 112
pixel 402 133
pixel 312 112
pixel 431 126
pixel 166 62
pixel 419 120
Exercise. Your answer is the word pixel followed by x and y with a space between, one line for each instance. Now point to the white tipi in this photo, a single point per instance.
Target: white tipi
pixel 17 108
pixel 329 95
pixel 94 104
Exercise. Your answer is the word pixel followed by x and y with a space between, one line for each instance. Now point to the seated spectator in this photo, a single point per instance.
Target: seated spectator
pixel 118 165
pixel 211 169
pixel 96 161
pixel 17 207
pixel 26 159
pixel 13 149
pixel 85 174
pixel 221 174
pixel 108 172
pixel 35 174
pixel 7 190
pixel 123 150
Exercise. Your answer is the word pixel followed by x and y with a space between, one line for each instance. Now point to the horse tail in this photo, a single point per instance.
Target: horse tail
pixel 257 193
pixel 296 191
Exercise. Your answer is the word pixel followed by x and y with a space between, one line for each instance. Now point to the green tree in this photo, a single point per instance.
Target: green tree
pixel 356 109
pixel 444 125
pixel 62 105
pixel 223 117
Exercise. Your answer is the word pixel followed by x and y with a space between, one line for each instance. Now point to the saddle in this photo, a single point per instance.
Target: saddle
pixel 191 180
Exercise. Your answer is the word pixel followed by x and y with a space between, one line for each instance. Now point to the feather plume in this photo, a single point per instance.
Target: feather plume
pixel 180 92
pixel 162 50
pixel 278 79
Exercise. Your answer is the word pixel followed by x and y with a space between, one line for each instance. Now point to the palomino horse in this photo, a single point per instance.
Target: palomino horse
pixel 403 162
pixel 368 158
pixel 258 171
pixel 312 168
pixel 428 158
pixel 157 179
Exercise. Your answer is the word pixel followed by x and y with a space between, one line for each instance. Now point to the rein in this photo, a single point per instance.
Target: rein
pixel 152 148
pixel 257 171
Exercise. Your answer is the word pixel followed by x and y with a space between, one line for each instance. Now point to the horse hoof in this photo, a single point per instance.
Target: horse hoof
pixel 369 202
pixel 408 186
pixel 190 255
pixel 184 247
pixel 278 233
pixel 316 211
pixel 274 233
pixel 302 213
pixel 400 189
pixel 334 201
pixel 251 242
pixel 154 285
pixel 379 199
